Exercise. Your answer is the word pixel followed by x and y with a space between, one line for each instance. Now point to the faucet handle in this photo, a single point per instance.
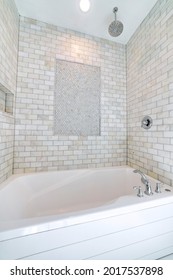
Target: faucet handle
pixel 140 191
pixel 158 187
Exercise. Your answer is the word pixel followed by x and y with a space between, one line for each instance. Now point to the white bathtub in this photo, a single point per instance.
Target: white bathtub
pixel 84 214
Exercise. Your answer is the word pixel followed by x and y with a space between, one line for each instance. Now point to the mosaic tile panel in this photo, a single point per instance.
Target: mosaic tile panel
pixel 77 99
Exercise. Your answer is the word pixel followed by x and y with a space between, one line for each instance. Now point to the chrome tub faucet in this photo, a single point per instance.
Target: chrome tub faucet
pixel 145 181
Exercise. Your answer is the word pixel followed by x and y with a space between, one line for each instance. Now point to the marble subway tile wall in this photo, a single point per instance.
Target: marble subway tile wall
pixel 36 146
pixel 9 20
pixel 150 92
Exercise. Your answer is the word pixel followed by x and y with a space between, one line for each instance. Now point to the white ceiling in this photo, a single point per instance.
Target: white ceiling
pixel 66 13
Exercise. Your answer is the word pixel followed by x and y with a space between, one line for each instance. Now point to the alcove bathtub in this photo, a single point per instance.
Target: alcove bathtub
pixel 84 214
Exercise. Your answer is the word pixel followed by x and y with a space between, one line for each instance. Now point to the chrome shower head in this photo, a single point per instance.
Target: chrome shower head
pixel 116 27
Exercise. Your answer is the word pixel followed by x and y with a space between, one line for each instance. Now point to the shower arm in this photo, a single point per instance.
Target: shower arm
pixel 115 12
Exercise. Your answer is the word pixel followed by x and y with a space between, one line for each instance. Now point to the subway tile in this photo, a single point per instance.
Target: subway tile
pixel 93 51
pixel 149 83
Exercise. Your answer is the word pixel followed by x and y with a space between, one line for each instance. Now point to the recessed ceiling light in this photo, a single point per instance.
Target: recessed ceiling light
pixel 85 5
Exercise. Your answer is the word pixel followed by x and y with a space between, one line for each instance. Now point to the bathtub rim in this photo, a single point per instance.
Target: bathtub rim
pixel 21 175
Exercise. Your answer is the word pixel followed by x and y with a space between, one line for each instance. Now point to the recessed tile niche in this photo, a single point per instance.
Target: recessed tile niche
pixel 6 100
pixel 77 99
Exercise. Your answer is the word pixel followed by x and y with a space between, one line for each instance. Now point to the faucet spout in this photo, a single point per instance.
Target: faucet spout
pixel 143 177
pixel 145 181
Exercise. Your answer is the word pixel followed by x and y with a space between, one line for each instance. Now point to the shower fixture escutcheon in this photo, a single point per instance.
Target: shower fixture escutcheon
pixel 116 27
pixel 147 122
